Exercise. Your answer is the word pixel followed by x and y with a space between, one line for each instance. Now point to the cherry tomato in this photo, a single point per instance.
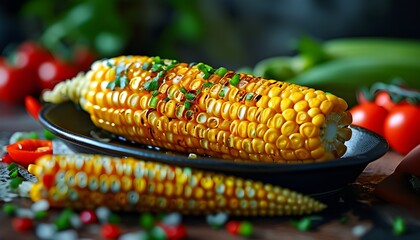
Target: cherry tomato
pixel 370 116
pixel 33 106
pixel 27 151
pixel 52 72
pixel 83 58
pixel 22 224
pixel 383 99
pixel 15 84
pixel 402 128
pixel 31 55
pixel 110 231
pixel 233 227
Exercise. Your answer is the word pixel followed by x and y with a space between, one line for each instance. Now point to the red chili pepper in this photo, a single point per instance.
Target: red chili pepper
pixel 27 151
pixel 33 106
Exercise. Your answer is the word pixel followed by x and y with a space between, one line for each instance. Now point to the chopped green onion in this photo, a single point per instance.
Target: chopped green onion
pixel 123 81
pixel 235 80
pixel 109 64
pixel 399 226
pixel 40 214
pixel 156 67
pixel 151 85
pixel 14 173
pixel 208 84
pixel 12 166
pixel 221 71
pixel 153 102
pixel 145 66
pixel 111 85
pixel 15 182
pixel 166 99
pixel 183 90
pixel 190 96
pixel 222 93
pixel 156 59
pixel 206 69
pixel 9 209
pixel 155 93
pixel 249 96
pixel 302 225
pixel 187 104
pixel 48 135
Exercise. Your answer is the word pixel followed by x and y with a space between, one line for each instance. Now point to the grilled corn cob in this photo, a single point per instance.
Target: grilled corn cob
pixel 127 184
pixel 193 108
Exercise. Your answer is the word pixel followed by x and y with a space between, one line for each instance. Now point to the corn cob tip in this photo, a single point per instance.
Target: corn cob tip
pixel 127 184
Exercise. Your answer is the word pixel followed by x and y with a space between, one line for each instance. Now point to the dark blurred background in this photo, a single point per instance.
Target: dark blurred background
pixel 231 33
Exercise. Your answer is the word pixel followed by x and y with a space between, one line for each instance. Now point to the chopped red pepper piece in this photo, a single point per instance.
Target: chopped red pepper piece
pixel 27 151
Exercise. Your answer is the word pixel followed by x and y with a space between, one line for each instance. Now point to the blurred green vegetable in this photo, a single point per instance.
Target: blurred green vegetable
pixel 95 23
pixel 344 65
pixel 381 47
pixel 344 76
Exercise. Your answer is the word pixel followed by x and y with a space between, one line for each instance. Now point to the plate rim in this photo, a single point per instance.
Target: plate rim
pixel 376 152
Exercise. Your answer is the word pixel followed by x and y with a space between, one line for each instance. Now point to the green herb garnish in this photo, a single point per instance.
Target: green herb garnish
pixel 15 182
pixel 155 93
pixel 222 93
pixel 190 96
pixel 151 85
pixel 157 67
pixel 145 66
pixel 399 226
pixel 221 71
pixel 120 80
pixel 235 80
pixel 183 90
pixel 206 69
pixel 207 84
pixel 153 102
pixel 249 96
pixel 187 104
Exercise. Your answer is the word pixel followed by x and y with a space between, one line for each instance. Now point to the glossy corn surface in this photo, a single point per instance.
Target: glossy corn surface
pixel 194 108
pixel 125 184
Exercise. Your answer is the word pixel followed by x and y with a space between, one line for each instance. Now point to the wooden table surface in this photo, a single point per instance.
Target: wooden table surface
pixel 368 216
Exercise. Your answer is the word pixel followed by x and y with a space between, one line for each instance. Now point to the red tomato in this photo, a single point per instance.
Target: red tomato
pixel 370 116
pixel 383 99
pixel 402 128
pixel 83 58
pixel 27 151
pixel 52 72
pixel 15 83
pixel 31 55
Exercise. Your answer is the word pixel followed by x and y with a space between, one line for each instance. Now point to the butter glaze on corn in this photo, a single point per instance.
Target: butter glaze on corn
pixel 85 181
pixel 247 119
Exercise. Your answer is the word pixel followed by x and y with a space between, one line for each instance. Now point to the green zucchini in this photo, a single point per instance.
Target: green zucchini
pixel 343 77
pixel 351 47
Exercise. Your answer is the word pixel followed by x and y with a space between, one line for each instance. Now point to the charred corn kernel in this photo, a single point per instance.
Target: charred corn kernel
pixel 155 187
pixel 186 107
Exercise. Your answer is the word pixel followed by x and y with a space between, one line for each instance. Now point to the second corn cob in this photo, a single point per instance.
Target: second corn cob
pixel 89 181
pixel 194 108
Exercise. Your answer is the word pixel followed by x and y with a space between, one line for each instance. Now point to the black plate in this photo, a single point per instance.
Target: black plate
pixel 323 179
